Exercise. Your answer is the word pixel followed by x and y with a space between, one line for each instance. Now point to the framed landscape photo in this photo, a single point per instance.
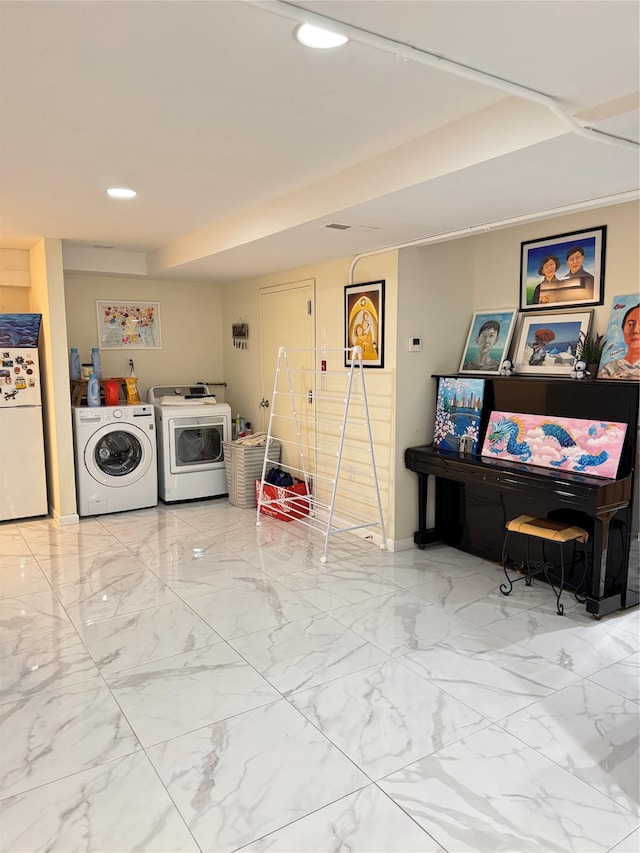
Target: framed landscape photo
pixel 563 270
pixel 364 322
pixel 128 325
pixel 547 342
pixel 488 340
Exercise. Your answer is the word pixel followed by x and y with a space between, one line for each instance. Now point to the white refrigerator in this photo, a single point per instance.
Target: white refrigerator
pixel 23 479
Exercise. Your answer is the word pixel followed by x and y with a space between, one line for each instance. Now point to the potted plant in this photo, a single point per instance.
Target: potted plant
pixel 590 349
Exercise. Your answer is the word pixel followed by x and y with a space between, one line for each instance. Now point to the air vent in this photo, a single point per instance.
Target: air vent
pixel 340 227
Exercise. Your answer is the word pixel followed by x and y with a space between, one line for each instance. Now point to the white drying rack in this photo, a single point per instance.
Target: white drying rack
pixel 332 452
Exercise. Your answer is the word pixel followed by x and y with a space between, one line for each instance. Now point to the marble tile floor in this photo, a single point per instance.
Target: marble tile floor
pixel 178 679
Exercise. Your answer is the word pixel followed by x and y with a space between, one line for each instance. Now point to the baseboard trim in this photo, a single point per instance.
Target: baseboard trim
pixel 64 520
pixel 400 544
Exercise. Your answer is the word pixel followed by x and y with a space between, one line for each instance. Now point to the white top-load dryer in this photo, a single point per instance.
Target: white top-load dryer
pixel 192 428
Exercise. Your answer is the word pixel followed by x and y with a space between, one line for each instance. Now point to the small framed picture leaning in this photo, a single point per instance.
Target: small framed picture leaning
pixel 563 270
pixel 547 342
pixel 488 340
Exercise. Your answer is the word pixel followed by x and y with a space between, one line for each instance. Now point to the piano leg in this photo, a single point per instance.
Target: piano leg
pixel 424 535
pixel 598 603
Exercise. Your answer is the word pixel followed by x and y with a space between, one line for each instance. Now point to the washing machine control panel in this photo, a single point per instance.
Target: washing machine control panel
pixel 135 414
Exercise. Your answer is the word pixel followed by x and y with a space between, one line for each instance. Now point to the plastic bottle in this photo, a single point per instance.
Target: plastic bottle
pixel 74 364
pixel 95 359
pixel 93 391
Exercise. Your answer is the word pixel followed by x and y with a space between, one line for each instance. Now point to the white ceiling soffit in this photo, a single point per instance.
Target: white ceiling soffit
pixel 243 145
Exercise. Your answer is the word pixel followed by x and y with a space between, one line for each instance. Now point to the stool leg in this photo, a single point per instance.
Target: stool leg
pixel 545 566
pixel 559 593
pixel 527 580
pixel 503 587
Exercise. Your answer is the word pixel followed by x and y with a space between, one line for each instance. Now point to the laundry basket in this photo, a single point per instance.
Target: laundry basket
pixel 243 465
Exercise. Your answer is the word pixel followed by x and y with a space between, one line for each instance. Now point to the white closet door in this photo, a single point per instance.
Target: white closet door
pixel 287 320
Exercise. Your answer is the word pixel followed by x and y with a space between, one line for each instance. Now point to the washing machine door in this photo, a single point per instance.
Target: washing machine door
pixel 118 455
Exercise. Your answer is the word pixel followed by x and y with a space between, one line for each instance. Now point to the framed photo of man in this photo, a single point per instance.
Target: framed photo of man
pixel 563 270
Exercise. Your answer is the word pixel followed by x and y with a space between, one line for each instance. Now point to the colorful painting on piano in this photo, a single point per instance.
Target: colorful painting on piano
pixel 458 410
pixel 578 445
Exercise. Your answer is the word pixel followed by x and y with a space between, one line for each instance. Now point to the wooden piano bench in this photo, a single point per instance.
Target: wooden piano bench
pixel 548 531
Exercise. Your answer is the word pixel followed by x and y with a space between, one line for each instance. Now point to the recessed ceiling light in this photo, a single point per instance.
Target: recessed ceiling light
pixel 121 192
pixel 311 36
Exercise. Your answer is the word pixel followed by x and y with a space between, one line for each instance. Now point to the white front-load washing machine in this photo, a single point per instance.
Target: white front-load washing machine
pixel 116 466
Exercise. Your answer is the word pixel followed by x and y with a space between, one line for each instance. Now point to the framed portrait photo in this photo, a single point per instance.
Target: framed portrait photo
pixel 488 340
pixel 364 322
pixel 547 342
pixel 565 270
pixel 128 325
pixel 621 353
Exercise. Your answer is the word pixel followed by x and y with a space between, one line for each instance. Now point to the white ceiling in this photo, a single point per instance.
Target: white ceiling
pixel 243 145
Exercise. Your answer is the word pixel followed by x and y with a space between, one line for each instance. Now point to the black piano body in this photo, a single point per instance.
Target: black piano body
pixel 476 495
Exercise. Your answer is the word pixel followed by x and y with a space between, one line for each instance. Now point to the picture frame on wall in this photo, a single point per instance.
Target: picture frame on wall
pixel 364 322
pixel 488 340
pixel 547 342
pixel 563 270
pixel 128 325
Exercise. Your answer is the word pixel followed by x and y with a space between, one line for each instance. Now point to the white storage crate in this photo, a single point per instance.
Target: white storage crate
pixel 243 465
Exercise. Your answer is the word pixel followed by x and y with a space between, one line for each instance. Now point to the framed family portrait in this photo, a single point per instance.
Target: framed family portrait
pixel 488 340
pixel 547 342
pixel 364 322
pixel 128 325
pixel 563 270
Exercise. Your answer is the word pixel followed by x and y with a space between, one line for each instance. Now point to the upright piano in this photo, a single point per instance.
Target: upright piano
pixel 476 495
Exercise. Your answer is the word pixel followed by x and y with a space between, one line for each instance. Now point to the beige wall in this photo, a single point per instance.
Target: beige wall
pixel 46 297
pixel 434 303
pixel 14 269
pixel 191 328
pixel 497 257
pixel 14 300
pixel 243 367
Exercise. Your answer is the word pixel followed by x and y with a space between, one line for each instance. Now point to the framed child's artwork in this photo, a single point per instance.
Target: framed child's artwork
pixel 621 353
pixel 547 342
pixel 128 325
pixel 488 340
pixel 458 411
pixel 364 322
pixel 563 270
